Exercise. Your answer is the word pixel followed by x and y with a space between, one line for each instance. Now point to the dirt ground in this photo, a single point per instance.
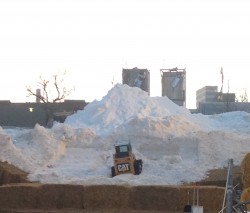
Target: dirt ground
pixel 85 211
pixel 14 183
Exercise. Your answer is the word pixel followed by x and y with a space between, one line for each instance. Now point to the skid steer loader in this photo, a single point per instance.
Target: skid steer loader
pixel 124 160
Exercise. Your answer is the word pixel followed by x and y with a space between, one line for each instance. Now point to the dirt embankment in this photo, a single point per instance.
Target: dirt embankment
pixel 18 195
pixel 11 174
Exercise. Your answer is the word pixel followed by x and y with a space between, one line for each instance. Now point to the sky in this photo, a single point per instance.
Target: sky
pixel 175 146
pixel 93 40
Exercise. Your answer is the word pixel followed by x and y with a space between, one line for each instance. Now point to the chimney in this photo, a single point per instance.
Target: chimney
pixel 38 94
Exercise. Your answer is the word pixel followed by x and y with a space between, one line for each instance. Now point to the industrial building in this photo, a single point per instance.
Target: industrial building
pixel 137 78
pixel 209 101
pixel 174 85
pixel 206 94
pixel 211 94
pixel 29 114
pixel 222 107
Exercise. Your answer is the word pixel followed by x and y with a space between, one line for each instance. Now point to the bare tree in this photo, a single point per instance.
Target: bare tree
pixel 46 96
pixel 243 97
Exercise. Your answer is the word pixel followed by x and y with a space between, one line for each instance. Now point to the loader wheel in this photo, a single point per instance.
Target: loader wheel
pixel 112 171
pixel 138 167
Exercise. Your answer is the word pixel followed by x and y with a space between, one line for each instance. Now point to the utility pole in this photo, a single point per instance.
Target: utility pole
pixel 230 187
pixel 222 80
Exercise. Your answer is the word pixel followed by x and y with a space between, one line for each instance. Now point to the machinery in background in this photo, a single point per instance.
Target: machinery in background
pixel 125 160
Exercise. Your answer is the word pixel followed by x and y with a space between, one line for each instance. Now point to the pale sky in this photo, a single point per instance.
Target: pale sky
pixel 93 41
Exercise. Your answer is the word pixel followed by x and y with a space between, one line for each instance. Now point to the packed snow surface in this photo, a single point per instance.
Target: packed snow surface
pixel 175 145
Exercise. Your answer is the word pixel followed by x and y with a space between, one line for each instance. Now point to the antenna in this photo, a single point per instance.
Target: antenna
pixel 113 80
pixel 222 79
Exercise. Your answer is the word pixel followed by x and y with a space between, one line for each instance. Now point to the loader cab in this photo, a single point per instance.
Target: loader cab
pixel 122 149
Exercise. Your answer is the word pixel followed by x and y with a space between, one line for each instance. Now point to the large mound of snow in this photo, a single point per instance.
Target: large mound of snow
pixel 175 145
pixel 121 105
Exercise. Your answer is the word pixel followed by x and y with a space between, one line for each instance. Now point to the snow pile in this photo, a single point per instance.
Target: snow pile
pixel 175 146
pixel 121 105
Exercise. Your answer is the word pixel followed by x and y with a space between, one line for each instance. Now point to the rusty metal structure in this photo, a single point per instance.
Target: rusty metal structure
pixel 174 85
pixel 137 78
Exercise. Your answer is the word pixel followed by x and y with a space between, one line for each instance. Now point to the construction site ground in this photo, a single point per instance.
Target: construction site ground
pixel 18 195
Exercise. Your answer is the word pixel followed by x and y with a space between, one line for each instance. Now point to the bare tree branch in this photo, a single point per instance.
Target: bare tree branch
pixel 61 92
pixel 56 84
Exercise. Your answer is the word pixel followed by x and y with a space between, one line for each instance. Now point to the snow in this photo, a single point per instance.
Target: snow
pixel 175 145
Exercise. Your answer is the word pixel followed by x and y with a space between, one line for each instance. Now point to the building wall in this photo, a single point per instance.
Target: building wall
pixel 228 97
pixel 210 101
pixel 206 94
pixel 18 114
pixel 174 85
pixel 30 114
pixel 222 107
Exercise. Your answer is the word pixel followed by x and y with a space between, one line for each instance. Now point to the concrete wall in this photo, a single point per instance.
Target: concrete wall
pixel 206 94
pixel 222 107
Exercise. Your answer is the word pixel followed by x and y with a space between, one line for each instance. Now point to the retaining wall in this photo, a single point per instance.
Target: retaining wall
pixel 106 197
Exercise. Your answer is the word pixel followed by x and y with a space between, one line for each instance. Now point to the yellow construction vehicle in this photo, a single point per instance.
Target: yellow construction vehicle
pixel 124 160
